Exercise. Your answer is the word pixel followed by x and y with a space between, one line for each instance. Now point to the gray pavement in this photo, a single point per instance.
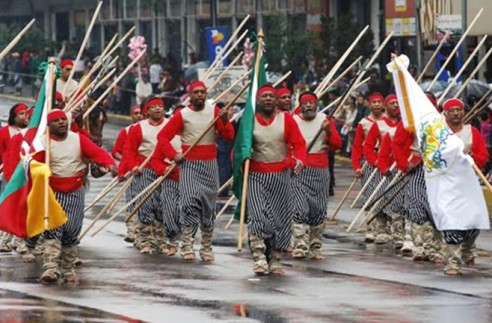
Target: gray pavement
pixel 355 283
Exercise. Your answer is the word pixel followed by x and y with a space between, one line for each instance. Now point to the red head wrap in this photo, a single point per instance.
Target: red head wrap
pixel 282 91
pixel 265 88
pixel 308 97
pixel 197 84
pixel 150 103
pixel 58 96
pixel 20 107
pixel 66 62
pixel 376 96
pixel 134 108
pixel 56 114
pixel 453 103
pixel 389 98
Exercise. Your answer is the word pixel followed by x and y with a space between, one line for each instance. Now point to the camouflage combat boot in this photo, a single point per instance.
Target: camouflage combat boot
pixel 187 243
pixel 407 248
pixel 68 256
pixel 146 236
pixel 5 245
pixel 206 252
pixel 274 265
pixel 131 229
pixel 432 243
pixel 382 229
pixel 258 249
pixel 160 239
pixel 300 239
pixel 418 242
pixel 453 266
pixel 468 251
pixel 51 261
pixel 396 230
pixel 315 242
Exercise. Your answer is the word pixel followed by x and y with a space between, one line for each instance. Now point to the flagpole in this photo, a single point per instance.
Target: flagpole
pixel 242 214
pixel 49 104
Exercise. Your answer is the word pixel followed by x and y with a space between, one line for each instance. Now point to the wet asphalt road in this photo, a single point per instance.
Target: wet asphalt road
pixel 355 283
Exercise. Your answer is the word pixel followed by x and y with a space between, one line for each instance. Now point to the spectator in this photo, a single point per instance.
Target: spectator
pixel 143 89
pixel 155 71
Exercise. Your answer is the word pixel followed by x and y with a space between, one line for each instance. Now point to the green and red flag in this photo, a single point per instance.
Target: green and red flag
pixel 244 136
pixel 23 199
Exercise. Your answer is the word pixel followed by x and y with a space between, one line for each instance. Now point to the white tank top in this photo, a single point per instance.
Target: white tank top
pixel 269 144
pixel 309 129
pixel 195 122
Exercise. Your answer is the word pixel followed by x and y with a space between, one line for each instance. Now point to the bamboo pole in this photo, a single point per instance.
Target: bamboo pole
pixel 345 72
pixel 82 47
pixel 49 104
pixel 463 68
pixel 224 208
pixel 340 61
pixel 363 188
pixel 469 117
pixel 339 206
pixel 429 62
pixel 463 37
pixel 371 216
pixel 225 71
pixel 16 39
pixel 475 71
pixel 130 66
pixel 223 187
pixel 113 183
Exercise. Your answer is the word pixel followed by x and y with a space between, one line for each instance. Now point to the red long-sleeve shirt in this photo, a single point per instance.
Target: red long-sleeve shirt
pixel 358 143
pixel 131 157
pixel 4 141
pixel 385 155
pixel 479 151
pixel 119 144
pixel 175 127
pixel 88 149
pixel 373 140
pixel 293 138
pixel 159 163
pixel 402 141
pixel 320 160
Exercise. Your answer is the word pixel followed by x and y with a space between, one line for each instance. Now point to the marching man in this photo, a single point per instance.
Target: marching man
pixel 269 199
pixel 461 243
pixel 68 150
pixel 309 188
pixel 199 174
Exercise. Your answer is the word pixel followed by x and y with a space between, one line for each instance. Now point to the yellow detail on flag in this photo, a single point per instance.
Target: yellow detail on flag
pixel 40 173
pixel 408 109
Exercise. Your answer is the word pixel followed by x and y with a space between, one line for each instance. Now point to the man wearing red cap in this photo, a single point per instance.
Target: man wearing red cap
pixel 117 153
pixel 461 243
pixel 59 102
pixel 268 198
pixel 309 189
pixel 66 89
pixel 17 123
pixel 378 130
pixel 140 144
pixel 421 240
pixel 68 153
pixel 376 107
pixel 199 176
pixel 284 99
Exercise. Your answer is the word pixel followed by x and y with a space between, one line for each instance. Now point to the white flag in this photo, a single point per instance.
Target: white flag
pixel 455 196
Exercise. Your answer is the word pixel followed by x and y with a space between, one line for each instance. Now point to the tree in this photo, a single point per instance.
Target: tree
pixel 33 39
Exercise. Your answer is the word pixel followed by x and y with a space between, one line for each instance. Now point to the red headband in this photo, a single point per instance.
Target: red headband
pixel 58 96
pixel 376 96
pixel 134 108
pixel 282 91
pixel 56 114
pixel 308 97
pixel 154 101
pixel 453 103
pixel 197 84
pixel 67 62
pixel 389 98
pixel 265 88
pixel 20 107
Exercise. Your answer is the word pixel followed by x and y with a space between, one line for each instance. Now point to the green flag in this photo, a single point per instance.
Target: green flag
pixel 244 136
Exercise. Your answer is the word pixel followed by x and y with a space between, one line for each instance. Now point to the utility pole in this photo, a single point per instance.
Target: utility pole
pixel 213 12
pixel 418 33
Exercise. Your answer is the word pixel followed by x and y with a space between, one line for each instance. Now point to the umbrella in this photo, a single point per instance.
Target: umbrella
pixel 438 86
pixel 192 70
pixel 474 88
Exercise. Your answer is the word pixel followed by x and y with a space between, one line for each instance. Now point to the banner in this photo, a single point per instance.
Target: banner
pixel 216 38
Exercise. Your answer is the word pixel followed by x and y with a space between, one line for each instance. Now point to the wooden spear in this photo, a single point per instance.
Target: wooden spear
pixel 14 41
pixel 429 62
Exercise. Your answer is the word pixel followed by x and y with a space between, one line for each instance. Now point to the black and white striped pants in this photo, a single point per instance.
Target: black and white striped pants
pixel 269 208
pixel 310 195
pixel 170 207
pixel 151 210
pixel 458 236
pixel 365 177
pixel 418 208
pixel 198 185
pixel 73 205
